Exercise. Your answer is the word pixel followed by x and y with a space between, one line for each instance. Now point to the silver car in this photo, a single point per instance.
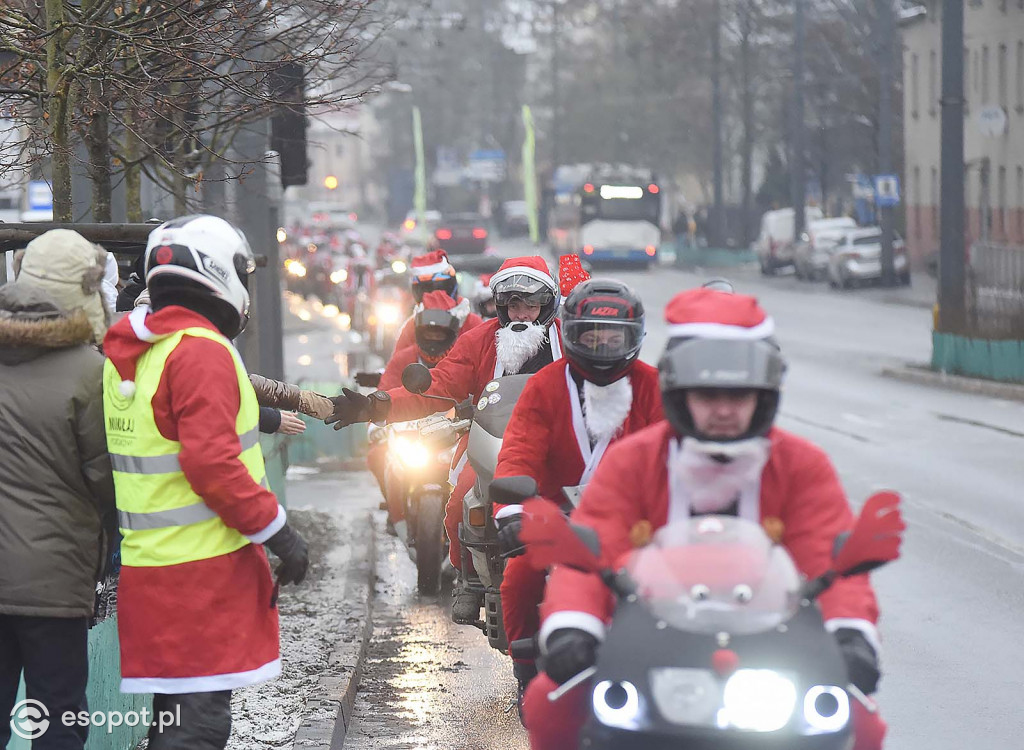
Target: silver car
pixel 810 258
pixel 857 259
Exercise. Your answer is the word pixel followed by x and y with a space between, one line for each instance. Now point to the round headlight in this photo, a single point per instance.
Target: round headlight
pixel 414 455
pixel 398 266
pixel 826 708
pixel 758 700
pixel 388 314
pixel 616 704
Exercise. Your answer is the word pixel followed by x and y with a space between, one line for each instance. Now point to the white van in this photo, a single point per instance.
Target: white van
pixel 775 242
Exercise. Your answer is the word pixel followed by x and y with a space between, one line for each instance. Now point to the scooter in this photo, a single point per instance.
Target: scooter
pixel 716 641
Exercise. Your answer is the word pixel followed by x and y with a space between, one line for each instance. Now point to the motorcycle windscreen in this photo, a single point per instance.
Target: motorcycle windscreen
pixel 494 406
pixel 716 574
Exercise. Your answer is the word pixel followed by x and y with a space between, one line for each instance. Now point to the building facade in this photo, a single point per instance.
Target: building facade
pixel 993 127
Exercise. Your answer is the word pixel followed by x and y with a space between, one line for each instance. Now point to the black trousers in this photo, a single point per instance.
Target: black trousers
pixel 54 654
pixel 201 721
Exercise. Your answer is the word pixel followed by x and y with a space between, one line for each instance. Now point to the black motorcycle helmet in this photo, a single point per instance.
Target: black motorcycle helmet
pixel 602 329
pixel 436 328
pixel 720 353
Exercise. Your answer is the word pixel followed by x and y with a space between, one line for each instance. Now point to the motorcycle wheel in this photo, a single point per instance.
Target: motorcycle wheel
pixel 429 542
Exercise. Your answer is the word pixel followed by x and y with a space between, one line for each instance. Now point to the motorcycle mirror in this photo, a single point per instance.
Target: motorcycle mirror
pixel 875 539
pixel 416 378
pixel 512 490
pixel 368 379
pixel 550 539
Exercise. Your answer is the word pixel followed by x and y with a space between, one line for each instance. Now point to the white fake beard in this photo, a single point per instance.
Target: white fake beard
pixel 713 485
pixel 605 407
pixel 516 347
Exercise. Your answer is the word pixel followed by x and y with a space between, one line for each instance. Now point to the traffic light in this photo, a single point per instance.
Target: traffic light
pixel 288 125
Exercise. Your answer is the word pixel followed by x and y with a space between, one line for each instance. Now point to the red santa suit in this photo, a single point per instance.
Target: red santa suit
pixel 559 438
pixel 205 625
pixel 798 486
pixel 477 358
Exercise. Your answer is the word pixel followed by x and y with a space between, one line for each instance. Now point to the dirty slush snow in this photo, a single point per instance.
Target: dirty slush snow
pixel 266 716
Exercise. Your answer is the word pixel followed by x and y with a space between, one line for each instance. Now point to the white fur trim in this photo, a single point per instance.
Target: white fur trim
pixel 721 331
pixel 605 407
pixel 432 269
pixel 127 388
pixel 570 619
pixel 137 318
pixel 207 684
pixel 461 311
pixel 864 626
pixel 508 510
pixel 270 529
pixel 533 273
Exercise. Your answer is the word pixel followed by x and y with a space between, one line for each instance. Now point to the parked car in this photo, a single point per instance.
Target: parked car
pixel 514 219
pixel 462 234
pixel 857 259
pixel 775 242
pixel 411 233
pixel 810 257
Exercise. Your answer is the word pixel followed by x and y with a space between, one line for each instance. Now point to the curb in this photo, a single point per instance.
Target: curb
pixel 328 714
pixel 923 375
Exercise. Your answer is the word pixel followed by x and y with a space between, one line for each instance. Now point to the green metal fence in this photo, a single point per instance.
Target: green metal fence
pixel 981 358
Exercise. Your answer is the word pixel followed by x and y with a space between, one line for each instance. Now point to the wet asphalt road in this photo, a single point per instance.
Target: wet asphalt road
pixel 428 683
pixel 952 607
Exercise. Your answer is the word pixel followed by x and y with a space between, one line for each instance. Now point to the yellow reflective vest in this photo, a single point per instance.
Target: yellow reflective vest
pixel 163 521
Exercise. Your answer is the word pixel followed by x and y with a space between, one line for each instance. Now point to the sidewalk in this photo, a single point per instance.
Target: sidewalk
pixel 325 622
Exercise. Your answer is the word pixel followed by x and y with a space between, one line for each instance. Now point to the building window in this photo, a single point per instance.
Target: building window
pixel 913 86
pixel 975 71
pixel 1020 204
pixel 933 78
pixel 985 101
pixel 935 202
pixel 1004 100
pixel 1020 75
pixel 916 198
pixel 1004 225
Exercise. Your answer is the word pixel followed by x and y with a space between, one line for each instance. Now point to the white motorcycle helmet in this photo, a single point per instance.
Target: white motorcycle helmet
pixel 210 255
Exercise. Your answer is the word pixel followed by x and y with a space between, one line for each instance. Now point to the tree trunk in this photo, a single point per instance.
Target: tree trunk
pixel 132 173
pixel 58 112
pixel 747 149
pixel 98 143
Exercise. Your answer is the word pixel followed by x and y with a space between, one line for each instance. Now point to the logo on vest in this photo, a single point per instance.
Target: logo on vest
pixel 120 424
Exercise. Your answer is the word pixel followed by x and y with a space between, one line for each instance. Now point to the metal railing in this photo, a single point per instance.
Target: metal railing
pixel 995 291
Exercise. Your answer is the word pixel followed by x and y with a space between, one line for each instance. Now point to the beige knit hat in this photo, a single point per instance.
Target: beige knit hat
pixel 70 268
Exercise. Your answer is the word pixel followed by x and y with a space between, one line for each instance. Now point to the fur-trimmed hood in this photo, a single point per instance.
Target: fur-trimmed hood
pixel 32 323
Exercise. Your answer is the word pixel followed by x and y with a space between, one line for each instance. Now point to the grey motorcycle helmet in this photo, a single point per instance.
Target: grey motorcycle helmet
pixel 721 363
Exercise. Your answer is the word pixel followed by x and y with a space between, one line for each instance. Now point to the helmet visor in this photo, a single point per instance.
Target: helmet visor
pixel 604 340
pixel 520 286
pixel 721 363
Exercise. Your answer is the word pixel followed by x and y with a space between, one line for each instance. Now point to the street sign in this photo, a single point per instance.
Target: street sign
pixel 40 196
pixel 486 165
pixel 887 190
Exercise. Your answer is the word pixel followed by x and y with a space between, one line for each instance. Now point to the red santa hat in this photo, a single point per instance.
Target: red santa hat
pixel 438 301
pixel 485 279
pixel 431 263
pixel 533 266
pixel 706 313
pixel 570 273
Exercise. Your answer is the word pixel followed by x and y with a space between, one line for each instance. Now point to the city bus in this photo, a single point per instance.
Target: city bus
pixel 609 214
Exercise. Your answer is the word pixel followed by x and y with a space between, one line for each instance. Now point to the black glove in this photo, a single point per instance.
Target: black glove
pixel 351 407
pixel 465 409
pixel 861 659
pixel 569 652
pixel 288 545
pixel 509 543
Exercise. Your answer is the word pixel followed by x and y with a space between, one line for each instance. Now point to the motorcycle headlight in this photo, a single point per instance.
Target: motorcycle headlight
pixel 388 314
pixel 826 708
pixel 412 454
pixel 758 700
pixel 617 704
pixel 398 266
pixel 295 268
pixel 339 277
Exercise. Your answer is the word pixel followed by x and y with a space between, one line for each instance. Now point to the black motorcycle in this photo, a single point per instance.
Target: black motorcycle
pixel 716 642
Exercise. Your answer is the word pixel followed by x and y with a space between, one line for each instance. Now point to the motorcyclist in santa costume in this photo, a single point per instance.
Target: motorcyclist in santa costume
pixel 718 452
pixel 522 339
pixel 436 329
pixel 432 272
pixel 565 419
